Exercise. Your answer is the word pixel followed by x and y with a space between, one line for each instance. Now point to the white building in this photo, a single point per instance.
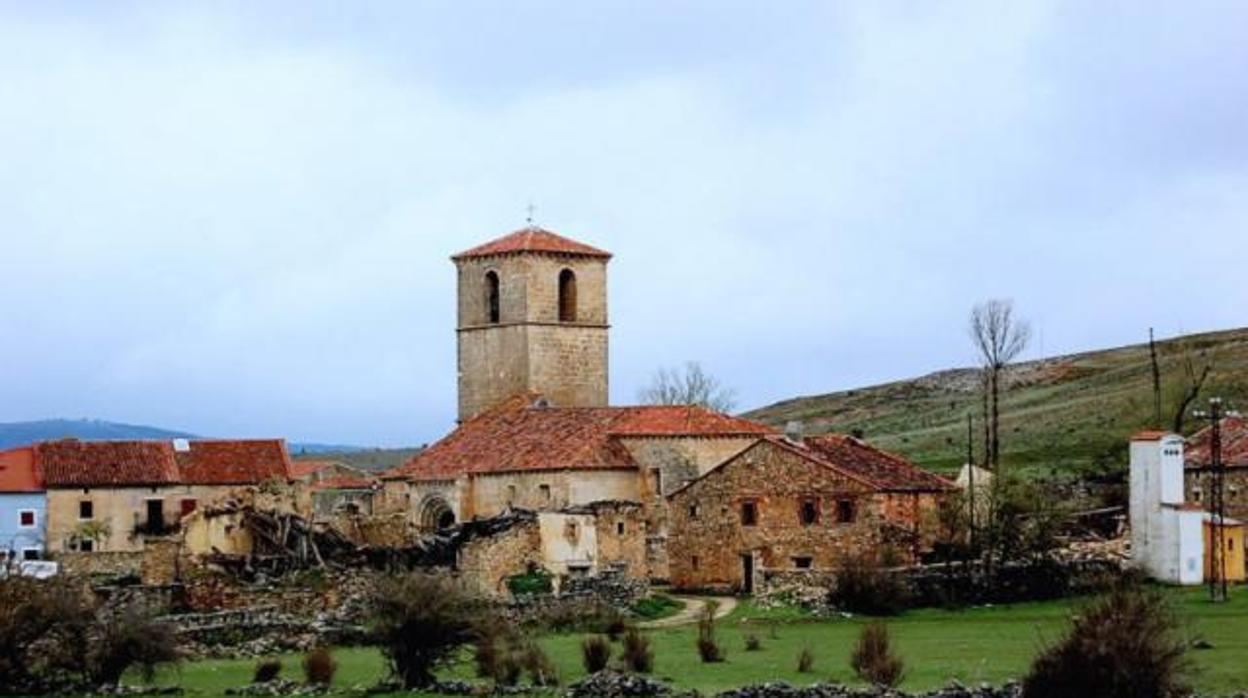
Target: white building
pixel 1167 539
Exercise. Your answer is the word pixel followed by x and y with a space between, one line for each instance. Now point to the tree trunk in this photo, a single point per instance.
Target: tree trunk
pixel 996 419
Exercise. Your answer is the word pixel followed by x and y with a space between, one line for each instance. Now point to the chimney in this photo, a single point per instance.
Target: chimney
pixel 181 445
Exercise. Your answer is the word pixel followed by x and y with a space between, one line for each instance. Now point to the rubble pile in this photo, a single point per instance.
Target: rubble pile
pixel 612 684
pixel 780 689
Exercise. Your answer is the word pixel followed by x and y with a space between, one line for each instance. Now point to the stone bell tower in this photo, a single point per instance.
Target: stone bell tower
pixel 532 318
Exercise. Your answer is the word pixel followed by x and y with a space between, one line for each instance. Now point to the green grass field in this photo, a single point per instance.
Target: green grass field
pixel 980 644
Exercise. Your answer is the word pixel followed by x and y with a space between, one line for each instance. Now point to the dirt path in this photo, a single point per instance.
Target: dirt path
pixel 692 611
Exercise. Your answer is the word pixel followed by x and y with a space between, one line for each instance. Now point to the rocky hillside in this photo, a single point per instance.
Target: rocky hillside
pixel 1058 414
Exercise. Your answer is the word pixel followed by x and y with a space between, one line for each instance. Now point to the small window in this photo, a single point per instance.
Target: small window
pixel 26 518
pixel 801 563
pixel 86 509
pixel 619 528
pixel 749 513
pixel 693 562
pixel 844 511
pixel 86 545
pixel 656 480
pixel 809 512
pixel 491 297
pixel 188 506
pixel 693 511
pixel 567 296
pixel 1230 544
pixel 1196 495
pixel 29 554
pixel 544 492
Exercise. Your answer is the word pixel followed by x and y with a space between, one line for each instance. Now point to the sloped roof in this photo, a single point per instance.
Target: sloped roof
pixel 520 436
pixel 532 239
pixel 234 462
pixel 343 482
pixel 19 472
pixel 303 467
pixel 1234 438
pixel 73 463
pixel 888 471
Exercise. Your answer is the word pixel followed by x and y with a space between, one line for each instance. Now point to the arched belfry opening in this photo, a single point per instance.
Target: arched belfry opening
pixel 491 297
pixel 567 296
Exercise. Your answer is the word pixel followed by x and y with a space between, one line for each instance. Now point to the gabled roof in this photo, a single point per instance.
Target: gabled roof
pixel 19 472
pixel 888 471
pixel 234 462
pixel 343 482
pixel 1234 437
pixel 73 463
pixel 520 435
pixel 532 239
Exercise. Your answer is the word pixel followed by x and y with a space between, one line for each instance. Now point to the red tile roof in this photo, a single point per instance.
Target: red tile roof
pixel 73 463
pixel 533 240
pixel 19 472
pixel 1234 438
pixel 343 482
pixel 518 436
pixel 888 471
pixel 234 462
pixel 1150 435
pixel 305 468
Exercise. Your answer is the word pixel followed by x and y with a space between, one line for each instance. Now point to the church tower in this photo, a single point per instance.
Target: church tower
pixel 532 317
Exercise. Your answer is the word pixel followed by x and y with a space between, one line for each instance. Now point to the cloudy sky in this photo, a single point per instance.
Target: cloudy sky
pixel 235 218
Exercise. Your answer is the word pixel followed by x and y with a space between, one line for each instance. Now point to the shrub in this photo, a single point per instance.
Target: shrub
pixel 616 628
pixel 421 622
pixel 863 586
pixel 541 670
pixel 1124 644
pixel 752 643
pixel 656 606
pixel 43 633
pixel 708 649
pixel 533 582
pixel 131 637
pixel 487 654
pixel 319 667
pixel 873 659
pixel 805 660
pixel 266 670
pixel 595 653
pixel 637 655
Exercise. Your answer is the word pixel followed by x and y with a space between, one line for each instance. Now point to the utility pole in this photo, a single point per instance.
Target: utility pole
pixel 970 472
pixel 1217 504
pixel 1152 354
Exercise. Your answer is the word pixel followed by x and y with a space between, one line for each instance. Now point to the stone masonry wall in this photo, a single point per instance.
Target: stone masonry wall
pixel 706 546
pixel 485 563
pixel 1234 493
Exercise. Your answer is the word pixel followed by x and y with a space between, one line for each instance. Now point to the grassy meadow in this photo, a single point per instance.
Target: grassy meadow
pixel 990 644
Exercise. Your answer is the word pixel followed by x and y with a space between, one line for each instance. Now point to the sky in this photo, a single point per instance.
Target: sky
pixel 235 218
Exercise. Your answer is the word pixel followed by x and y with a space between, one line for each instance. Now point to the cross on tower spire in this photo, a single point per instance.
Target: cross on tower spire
pixel 529 218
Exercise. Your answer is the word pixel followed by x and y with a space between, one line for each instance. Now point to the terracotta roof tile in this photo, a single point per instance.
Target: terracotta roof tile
pixel 887 471
pixel 304 467
pixel 1150 435
pixel 1234 445
pixel 73 463
pixel 518 435
pixel 234 462
pixel 19 472
pixel 343 482
pixel 532 240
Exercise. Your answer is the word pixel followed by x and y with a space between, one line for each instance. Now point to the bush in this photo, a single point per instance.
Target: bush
pixel 534 582
pixel 752 643
pixel 43 634
pixel 595 653
pixel 873 659
pixel 1124 644
pixel 421 622
pixel 266 670
pixel 637 655
pixel 708 649
pixel 319 667
pixel 656 606
pixel 863 586
pixel 131 637
pixel 616 628
pixel 805 660
pixel 541 670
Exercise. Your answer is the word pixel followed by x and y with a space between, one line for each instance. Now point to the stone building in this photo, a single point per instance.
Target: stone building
pixel 23 506
pixel 797 505
pixel 1197 466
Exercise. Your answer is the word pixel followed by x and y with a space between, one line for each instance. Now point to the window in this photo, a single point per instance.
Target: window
pixel 1196 495
pixel 491 297
pixel 567 296
pixel 749 513
pixel 693 511
pixel 656 480
pixel 188 506
pixel 844 511
pixel 29 554
pixel 693 562
pixel 619 528
pixel 544 492
pixel 801 563
pixel 86 509
pixel 809 512
pixel 26 518
pixel 86 545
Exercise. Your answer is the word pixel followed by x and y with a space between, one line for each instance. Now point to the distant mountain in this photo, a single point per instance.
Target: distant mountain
pixel 13 434
pixel 1058 413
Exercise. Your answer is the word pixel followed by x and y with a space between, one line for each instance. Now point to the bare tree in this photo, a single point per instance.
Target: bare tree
pixel 688 386
pixel 1000 338
pixel 1152 356
pixel 1196 368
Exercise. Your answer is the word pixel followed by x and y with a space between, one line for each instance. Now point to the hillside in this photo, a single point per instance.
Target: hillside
pixel 14 434
pixel 371 459
pixel 1058 414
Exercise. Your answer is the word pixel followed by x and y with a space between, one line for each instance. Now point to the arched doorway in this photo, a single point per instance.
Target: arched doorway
pixel 436 514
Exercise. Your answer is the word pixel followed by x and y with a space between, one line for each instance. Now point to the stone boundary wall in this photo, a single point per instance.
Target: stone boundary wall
pixel 100 563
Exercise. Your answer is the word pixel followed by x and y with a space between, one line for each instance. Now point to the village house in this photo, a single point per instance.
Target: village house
pixel 328 488
pixel 801 504
pixel 23 506
pixel 536 433
pixel 1198 465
